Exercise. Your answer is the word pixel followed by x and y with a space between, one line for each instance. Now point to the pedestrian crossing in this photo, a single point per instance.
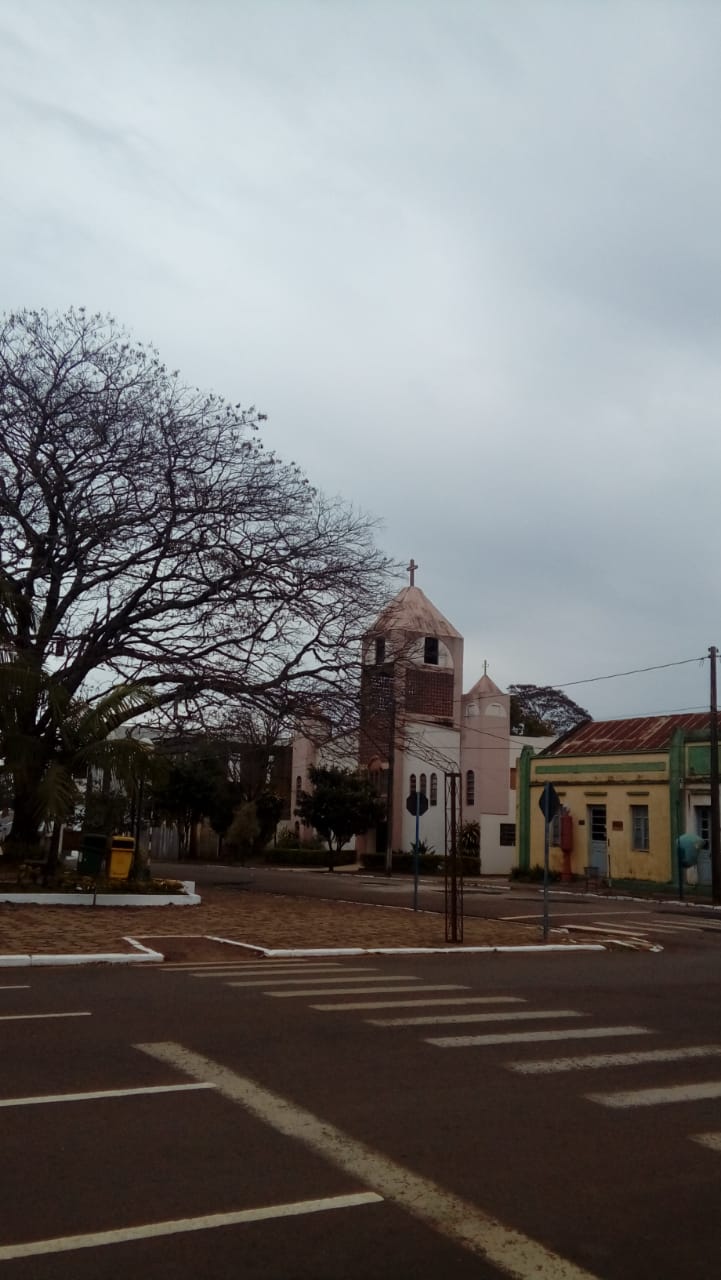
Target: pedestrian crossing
pixel 407 1003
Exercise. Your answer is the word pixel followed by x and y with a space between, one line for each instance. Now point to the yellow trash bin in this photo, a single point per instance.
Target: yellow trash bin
pixel 122 850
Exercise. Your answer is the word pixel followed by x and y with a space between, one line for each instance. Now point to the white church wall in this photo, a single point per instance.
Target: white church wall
pixel 428 749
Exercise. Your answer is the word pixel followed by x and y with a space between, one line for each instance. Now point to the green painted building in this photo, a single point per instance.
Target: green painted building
pixel 628 789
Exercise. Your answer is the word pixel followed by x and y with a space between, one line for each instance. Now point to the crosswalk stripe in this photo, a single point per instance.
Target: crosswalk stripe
pixel 672 928
pixel 438 1018
pixel 365 991
pixel 657 1097
pixel 294 982
pixel 712 1140
pixel 272 979
pixel 595 1061
pixel 535 1037
pixel 333 969
pixel 650 924
pixel 249 966
pixel 418 1004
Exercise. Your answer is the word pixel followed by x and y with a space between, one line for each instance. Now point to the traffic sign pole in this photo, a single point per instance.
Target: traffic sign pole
pixel 546 842
pixel 415 851
pixel 549 804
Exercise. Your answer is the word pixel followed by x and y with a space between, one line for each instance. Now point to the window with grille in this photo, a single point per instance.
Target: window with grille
pixel 639 827
pixel 434 788
pixel 507 833
pixel 470 787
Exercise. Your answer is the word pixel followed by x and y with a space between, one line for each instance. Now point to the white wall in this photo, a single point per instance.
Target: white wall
pixel 429 749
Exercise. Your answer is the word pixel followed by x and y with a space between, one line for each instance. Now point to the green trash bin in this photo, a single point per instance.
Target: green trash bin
pixel 93 850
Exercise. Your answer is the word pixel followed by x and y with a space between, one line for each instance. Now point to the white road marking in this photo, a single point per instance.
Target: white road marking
pixel 100 1094
pixel 595 1061
pixel 511 1251
pixel 712 1140
pixel 18 1017
pixel 435 1019
pixel 671 928
pixel 657 1097
pixel 418 1004
pixel 244 966
pixel 535 1037
pixel 534 915
pixel 333 969
pixel 150 1230
pixel 312 975
pixel 365 991
pixel 329 981
pixel 690 928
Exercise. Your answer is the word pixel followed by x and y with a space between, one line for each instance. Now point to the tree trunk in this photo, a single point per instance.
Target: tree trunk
pixel 24 838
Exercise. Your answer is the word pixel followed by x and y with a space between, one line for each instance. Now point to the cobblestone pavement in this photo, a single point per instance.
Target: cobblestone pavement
pixel 261 920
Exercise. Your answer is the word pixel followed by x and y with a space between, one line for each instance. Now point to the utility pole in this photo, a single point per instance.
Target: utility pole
pixel 714 784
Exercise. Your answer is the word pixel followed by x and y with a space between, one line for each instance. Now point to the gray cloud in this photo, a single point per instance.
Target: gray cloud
pixel 465 256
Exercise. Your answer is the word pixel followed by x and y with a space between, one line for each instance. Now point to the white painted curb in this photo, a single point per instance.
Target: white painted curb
pixel 103 899
pixel 295 953
pixel 100 957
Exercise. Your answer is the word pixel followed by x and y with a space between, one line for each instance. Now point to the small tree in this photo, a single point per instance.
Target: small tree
pixel 342 804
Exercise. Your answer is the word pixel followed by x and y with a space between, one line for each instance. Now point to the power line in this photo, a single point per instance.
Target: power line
pixel 616 675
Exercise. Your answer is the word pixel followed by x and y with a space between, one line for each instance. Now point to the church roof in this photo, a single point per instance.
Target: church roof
pixel 483 688
pixel 412 611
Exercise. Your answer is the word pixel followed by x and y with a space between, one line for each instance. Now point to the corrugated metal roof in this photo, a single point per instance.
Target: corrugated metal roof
pixel 610 737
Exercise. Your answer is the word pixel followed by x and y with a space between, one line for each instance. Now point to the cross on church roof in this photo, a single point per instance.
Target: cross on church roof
pixel 412 571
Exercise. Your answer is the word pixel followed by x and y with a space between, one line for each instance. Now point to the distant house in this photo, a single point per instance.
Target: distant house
pixel 628 789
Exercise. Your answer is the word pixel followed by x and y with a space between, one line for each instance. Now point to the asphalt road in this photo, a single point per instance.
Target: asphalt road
pixel 313 1132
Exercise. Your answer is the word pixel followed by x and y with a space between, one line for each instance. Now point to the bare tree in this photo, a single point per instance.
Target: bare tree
pixel 148 539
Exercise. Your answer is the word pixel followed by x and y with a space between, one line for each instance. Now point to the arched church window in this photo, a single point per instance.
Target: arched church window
pixel 470 787
pixel 298 788
pixel 430 650
pixel 380 651
pixel 423 784
pixel 434 788
pixel 413 784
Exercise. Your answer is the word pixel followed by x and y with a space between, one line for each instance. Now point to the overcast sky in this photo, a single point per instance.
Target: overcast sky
pixel 466 255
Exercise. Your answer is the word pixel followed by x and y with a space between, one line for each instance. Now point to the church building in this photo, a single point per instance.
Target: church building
pixel 417 727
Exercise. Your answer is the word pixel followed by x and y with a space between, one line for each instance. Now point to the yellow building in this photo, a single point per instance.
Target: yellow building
pixel 628 789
